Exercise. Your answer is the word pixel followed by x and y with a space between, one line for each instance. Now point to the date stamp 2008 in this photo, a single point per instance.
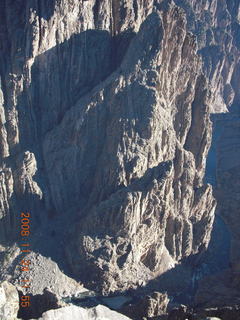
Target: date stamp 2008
pixel 25 263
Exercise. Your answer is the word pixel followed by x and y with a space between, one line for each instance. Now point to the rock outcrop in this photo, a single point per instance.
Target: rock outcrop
pixel 73 312
pixel 110 146
pixel 216 25
pixel 147 207
pixel 104 134
pixel 9 301
pixel 147 307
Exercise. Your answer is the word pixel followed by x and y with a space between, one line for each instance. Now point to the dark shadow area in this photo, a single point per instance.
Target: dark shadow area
pixel 37 305
pixel 120 44
pixel 64 74
pixel 218 254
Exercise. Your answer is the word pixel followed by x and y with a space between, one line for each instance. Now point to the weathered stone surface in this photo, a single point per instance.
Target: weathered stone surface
pixel 147 307
pixel 43 273
pixel 111 147
pixel 222 313
pixel 151 186
pixel 77 313
pixel 104 133
pixel 216 25
pixel 9 301
pixel 180 313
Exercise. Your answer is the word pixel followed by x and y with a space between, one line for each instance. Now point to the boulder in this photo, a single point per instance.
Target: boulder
pixel 9 301
pixel 77 313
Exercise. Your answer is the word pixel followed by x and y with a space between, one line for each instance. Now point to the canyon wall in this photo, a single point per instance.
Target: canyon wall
pixel 105 129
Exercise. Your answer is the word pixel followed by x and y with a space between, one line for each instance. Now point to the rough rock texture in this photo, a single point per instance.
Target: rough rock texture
pixel 9 301
pixel 216 24
pixel 180 313
pixel 111 147
pixel 77 313
pixel 147 307
pixel 147 207
pixel 43 273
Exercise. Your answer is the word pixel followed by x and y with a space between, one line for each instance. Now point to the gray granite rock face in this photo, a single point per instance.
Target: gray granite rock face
pixel 145 174
pixel 105 129
pixel 151 306
pixel 104 126
pixel 216 25
pixel 9 301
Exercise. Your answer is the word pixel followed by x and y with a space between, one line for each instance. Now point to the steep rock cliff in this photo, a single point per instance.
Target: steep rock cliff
pixel 105 130
pixel 147 207
pixel 216 25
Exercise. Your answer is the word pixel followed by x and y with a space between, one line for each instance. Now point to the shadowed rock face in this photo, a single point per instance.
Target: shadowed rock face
pixel 112 150
pixel 216 25
pixel 229 180
pixel 223 289
pixel 148 307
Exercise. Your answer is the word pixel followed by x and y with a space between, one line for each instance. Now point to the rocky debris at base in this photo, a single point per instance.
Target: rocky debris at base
pixel 43 273
pixel 9 301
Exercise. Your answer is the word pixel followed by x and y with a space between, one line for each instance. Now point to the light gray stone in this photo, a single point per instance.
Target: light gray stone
pixel 77 313
pixel 9 301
